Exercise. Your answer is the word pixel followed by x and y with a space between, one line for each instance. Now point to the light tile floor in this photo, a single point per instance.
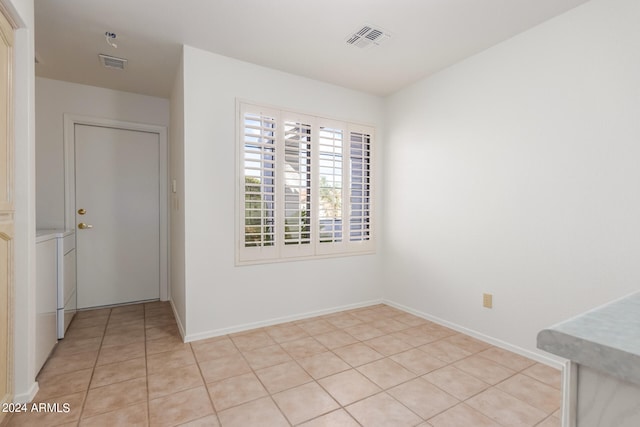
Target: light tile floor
pixel 374 366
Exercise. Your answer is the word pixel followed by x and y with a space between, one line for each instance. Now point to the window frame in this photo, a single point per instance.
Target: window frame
pixel 279 251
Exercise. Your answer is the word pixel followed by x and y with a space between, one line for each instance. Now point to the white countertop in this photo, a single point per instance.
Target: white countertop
pixel 44 234
pixel 606 338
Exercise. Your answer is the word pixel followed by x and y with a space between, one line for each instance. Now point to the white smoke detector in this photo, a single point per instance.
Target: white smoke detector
pixel 108 61
pixel 368 36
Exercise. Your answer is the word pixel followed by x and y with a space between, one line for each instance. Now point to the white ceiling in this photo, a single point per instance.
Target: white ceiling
pixel 302 37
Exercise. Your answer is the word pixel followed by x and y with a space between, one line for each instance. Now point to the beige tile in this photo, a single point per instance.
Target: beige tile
pixel 117 372
pixel 303 347
pixel 252 340
pixel 349 386
pixel 124 317
pixel 506 409
pixel 235 391
pixel 421 335
pixel 418 361
pixel 169 360
pixel 386 373
pixel 179 408
pixel 316 326
pixel 67 347
pixel 484 369
pixel 125 326
pixel 335 339
pixel 382 410
pixel 261 412
pixel 535 393
pixel 58 365
pixel 468 343
pixel 128 308
pixel 456 382
pixel 363 331
pixel 550 422
pixel 462 415
pixel 282 377
pixel 445 351
pixel 120 353
pixel 162 332
pixel 88 322
pixel 339 418
pixel 389 326
pixel 507 358
pixel 60 385
pixel 159 320
pixel 172 380
pixel 423 398
pixel 304 402
pixel 115 396
pixel 209 421
pixel 410 319
pixel 264 357
pixel 123 337
pixel 214 348
pixel 545 374
pixel 163 345
pixel 289 332
pixel 83 333
pixel 323 364
pixel 366 315
pixel 343 320
pixel 224 367
pixel 133 415
pixel 157 306
pixel 93 313
pixel 388 345
pixel 357 354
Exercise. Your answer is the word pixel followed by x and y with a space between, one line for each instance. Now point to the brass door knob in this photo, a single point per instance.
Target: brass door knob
pixel 83 226
pixel 82 211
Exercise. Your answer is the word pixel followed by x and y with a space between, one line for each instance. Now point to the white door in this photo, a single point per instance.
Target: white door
pixel 117 183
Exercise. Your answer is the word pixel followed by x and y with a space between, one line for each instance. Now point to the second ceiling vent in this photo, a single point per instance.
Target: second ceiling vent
pixel 114 62
pixel 368 36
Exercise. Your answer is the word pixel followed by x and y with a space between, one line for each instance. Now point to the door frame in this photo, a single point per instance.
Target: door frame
pixel 7 210
pixel 70 120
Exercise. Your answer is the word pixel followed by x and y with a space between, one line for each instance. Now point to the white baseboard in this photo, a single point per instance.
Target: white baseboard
pixel 28 395
pixel 482 337
pixel 275 321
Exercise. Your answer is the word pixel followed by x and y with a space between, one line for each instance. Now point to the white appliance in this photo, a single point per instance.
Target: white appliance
pixel 65 276
pixel 67 289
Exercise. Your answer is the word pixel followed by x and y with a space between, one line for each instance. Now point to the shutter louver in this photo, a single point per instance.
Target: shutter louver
pixel 330 184
pixel 360 182
pixel 259 180
pixel 297 183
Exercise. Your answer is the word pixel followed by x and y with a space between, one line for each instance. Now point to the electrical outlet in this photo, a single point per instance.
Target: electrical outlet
pixel 487 300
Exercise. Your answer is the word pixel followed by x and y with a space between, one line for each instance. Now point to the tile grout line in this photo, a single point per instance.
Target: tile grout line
pixel 93 369
pixel 204 381
pixel 146 363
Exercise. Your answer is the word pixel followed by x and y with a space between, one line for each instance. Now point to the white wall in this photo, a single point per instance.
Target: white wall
pixel 220 296
pixel 176 200
pixel 54 98
pixel 516 172
pixel 25 386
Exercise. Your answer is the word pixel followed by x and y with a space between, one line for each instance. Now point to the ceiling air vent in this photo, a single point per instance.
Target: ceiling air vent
pixel 367 36
pixel 112 62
